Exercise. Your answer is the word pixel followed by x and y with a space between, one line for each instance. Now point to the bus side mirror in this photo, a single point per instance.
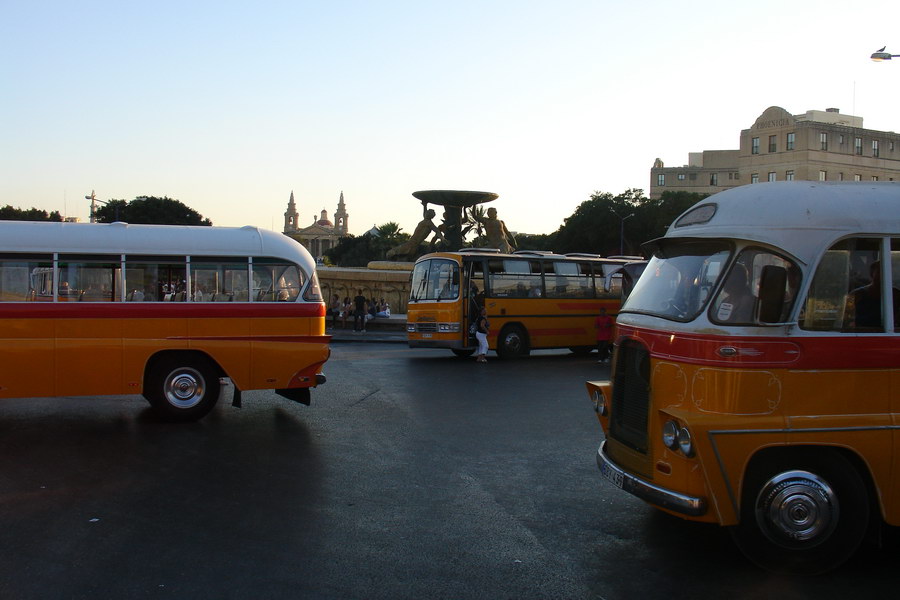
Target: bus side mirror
pixel 772 291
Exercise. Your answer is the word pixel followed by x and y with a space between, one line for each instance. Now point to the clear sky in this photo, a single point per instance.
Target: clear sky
pixel 230 106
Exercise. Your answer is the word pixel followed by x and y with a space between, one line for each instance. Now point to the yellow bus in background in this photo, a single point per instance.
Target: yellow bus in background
pixel 163 311
pixel 533 299
pixel 755 381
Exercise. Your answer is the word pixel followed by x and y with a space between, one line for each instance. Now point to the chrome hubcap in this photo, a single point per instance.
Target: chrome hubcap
pixel 513 342
pixel 184 387
pixel 797 508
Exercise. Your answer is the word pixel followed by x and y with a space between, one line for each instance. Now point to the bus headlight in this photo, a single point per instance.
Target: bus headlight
pixel 411 327
pixel 448 327
pixel 685 443
pixel 599 403
pixel 670 435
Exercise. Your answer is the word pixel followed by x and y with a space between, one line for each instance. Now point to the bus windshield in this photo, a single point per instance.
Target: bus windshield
pixel 435 279
pixel 679 279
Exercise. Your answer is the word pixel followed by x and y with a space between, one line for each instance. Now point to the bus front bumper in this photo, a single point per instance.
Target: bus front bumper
pixel 654 494
pixel 451 344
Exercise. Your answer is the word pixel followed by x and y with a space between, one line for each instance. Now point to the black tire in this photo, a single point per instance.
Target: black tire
pixel 182 388
pixel 803 513
pixel 512 342
pixel 463 352
pixel 581 350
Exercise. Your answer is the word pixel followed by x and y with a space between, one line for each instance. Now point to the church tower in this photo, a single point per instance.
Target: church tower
pixel 340 217
pixel 291 216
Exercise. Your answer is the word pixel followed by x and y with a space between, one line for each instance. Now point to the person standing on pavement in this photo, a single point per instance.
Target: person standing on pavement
pixel 604 326
pixel 359 315
pixel 482 330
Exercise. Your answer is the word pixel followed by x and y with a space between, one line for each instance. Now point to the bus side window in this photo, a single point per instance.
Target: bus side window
pixel 567 279
pixel 276 281
pixel 739 302
pixel 24 281
pixel 844 295
pixel 514 278
pixel 90 281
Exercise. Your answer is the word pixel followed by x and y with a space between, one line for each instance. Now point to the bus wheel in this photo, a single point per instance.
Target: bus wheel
pixel 803 513
pixel 464 352
pixel 182 389
pixel 512 342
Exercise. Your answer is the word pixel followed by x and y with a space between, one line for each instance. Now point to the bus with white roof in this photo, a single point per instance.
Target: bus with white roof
pixel 170 312
pixel 755 381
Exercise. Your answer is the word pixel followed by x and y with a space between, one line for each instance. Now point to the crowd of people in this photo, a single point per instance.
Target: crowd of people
pixel 360 309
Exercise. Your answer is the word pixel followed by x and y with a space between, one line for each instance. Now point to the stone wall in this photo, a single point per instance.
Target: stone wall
pixel 390 282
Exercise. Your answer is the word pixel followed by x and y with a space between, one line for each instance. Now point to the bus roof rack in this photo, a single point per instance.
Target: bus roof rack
pixel 626 257
pixel 487 250
pixel 538 252
pixel 583 255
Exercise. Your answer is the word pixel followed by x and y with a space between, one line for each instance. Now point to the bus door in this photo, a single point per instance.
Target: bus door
pixel 473 296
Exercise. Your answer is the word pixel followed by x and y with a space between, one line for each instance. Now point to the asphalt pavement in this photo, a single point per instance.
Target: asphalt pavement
pixel 413 474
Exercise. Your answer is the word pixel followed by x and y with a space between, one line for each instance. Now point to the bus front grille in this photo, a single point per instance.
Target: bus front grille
pixel 427 327
pixel 631 396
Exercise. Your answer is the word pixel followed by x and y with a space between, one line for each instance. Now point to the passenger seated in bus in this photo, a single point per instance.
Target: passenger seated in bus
pixel 735 303
pixel 535 291
pixel 866 302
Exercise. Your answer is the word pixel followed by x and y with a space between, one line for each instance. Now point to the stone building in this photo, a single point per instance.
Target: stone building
pixel 814 146
pixel 322 234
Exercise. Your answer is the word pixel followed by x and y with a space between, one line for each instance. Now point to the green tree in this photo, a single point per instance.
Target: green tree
pixel 541 241
pixel 392 233
pixel 8 213
pixel 596 224
pixel 150 210
pixel 358 251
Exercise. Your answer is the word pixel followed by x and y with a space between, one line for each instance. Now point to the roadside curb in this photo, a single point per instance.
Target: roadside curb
pixel 368 337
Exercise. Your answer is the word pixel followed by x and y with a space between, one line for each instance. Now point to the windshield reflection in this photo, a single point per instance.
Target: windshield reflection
pixel 436 279
pixel 679 279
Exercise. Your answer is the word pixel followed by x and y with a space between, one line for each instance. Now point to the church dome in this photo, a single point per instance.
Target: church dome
pixel 323 220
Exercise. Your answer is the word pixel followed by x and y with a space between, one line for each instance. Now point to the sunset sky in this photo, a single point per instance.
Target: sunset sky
pixel 230 106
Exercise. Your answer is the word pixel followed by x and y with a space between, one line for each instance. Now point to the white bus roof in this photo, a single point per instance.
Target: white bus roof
pixel 801 217
pixel 174 240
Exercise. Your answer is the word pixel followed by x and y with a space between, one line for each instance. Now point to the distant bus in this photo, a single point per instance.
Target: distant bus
pixel 533 299
pixel 163 311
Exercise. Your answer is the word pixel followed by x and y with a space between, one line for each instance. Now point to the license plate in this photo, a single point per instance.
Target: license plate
pixel 426 335
pixel 612 475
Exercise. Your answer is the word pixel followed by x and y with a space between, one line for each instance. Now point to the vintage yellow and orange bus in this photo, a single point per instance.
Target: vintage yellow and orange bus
pixel 755 381
pixel 533 299
pixel 170 312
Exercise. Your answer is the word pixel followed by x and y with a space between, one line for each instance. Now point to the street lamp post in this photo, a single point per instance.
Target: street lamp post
pixel 94 202
pixel 621 230
pixel 882 55
pixel 93 199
